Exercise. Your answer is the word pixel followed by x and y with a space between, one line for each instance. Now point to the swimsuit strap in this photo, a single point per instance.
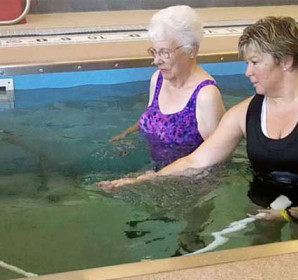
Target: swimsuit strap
pixel 202 84
pixel 157 90
pixel 193 96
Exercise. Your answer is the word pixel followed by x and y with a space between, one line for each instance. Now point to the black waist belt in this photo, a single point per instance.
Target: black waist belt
pixel 264 189
pixel 281 178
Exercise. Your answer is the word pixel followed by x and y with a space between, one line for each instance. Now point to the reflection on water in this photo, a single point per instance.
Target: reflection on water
pixel 54 145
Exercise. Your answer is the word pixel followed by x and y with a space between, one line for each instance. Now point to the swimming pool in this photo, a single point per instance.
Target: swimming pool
pixel 54 144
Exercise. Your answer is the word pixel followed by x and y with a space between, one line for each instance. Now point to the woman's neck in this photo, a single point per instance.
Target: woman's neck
pixel 185 77
pixel 288 90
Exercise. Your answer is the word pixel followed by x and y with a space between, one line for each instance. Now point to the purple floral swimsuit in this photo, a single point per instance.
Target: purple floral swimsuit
pixel 171 136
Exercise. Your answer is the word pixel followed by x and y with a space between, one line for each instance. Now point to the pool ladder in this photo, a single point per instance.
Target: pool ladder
pixel 6 94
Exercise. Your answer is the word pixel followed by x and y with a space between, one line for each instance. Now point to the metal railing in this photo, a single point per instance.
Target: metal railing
pixel 20 17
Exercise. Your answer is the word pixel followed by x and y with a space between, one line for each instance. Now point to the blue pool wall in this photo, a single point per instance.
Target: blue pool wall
pixel 108 76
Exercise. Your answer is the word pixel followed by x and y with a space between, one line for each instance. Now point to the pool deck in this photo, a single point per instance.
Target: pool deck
pixel 272 261
pixel 122 53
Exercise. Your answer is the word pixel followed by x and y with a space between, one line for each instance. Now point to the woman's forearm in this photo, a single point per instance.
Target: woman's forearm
pixel 179 166
pixel 211 152
pixel 126 132
pixel 132 128
pixel 216 149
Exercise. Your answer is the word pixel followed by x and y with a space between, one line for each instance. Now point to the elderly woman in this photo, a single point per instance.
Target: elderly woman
pixel 268 120
pixel 185 105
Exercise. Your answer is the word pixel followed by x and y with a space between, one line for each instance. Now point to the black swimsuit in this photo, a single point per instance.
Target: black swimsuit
pixel 274 161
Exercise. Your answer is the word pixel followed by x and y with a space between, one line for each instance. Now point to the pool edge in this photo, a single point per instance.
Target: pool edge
pixel 149 267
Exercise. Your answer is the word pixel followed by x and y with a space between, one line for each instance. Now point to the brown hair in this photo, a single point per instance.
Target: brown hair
pixel 277 36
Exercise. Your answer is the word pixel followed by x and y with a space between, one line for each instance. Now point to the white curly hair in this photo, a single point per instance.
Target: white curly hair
pixel 176 23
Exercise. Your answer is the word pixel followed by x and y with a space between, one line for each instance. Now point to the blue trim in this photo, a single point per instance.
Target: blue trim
pixel 225 68
pixel 110 76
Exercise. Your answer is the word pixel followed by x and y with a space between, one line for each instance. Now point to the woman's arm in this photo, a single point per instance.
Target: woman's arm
pixel 209 110
pixel 135 126
pixel 214 150
pixel 126 132
pixel 284 215
pixel 217 147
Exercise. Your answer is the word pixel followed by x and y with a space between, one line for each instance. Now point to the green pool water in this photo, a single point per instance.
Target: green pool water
pixel 54 144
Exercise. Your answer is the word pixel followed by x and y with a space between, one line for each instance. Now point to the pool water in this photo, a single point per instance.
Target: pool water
pixel 55 144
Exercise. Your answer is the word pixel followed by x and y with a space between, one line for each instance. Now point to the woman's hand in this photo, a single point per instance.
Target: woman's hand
pixel 108 185
pixel 269 215
pixel 293 211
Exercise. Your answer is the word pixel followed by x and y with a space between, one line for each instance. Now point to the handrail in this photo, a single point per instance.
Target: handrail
pixel 19 18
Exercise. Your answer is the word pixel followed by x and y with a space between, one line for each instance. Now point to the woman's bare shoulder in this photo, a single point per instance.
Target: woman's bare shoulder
pixel 209 93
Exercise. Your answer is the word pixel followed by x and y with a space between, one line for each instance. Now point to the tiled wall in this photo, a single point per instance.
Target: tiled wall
pixel 55 6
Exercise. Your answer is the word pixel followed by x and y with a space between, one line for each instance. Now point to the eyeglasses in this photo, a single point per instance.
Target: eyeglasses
pixel 163 53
